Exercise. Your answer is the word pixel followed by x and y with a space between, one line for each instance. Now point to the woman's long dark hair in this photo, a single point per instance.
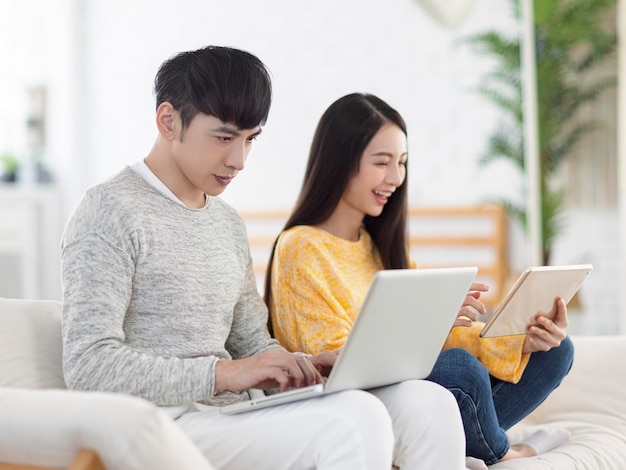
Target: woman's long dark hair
pixel 342 134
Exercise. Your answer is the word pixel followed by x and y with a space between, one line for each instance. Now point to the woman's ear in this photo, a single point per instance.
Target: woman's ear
pixel 167 120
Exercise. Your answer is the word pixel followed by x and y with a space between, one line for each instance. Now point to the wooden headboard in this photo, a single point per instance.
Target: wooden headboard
pixel 463 236
pixel 439 237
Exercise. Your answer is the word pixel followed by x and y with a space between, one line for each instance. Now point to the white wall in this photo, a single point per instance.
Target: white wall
pixel 317 52
pixel 593 236
pixel 98 60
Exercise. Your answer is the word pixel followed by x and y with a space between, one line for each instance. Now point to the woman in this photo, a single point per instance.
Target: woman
pixel 349 222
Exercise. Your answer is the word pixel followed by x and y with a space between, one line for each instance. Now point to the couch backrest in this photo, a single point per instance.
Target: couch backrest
pixel 31 352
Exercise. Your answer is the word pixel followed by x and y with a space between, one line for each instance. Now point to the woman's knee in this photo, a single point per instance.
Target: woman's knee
pixel 557 360
pixel 458 368
pixel 565 352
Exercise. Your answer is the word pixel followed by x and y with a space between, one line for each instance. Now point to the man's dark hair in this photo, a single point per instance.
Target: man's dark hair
pixel 229 84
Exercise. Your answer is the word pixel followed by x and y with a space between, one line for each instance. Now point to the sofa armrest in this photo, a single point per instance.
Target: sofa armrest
pixel 47 428
pixel 86 459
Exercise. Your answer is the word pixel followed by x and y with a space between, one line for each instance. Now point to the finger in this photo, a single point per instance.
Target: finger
pixel 546 339
pixel 549 324
pixel 318 376
pixel 467 313
pixel 476 304
pixel 534 344
pixel 324 361
pixel 560 318
pixel 462 321
pixel 283 368
pixel 550 327
pixel 309 375
pixel 294 372
pixel 479 286
pixel 540 340
pixel 539 344
pixel 280 376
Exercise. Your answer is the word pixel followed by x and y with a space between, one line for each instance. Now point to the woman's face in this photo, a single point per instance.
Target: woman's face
pixel 381 171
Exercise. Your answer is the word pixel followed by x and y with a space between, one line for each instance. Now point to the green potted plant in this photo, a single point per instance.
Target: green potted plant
pixel 10 167
pixel 571 40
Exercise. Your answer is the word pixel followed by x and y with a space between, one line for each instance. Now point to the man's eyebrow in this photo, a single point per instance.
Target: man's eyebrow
pixel 228 130
pixel 234 131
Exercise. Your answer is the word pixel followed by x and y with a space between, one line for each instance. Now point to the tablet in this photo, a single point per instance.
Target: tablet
pixel 534 292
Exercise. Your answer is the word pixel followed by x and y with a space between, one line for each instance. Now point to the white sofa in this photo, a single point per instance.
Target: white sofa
pixel 43 425
pixel 590 403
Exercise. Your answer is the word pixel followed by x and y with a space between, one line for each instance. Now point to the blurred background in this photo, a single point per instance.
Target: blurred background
pixel 77 106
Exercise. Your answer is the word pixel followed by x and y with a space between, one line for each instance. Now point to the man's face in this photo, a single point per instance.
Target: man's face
pixel 210 153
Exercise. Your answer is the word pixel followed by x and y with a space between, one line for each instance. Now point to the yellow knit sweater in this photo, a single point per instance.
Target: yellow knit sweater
pixel 319 282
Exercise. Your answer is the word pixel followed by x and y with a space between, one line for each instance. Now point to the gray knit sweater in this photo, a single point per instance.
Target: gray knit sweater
pixel 154 293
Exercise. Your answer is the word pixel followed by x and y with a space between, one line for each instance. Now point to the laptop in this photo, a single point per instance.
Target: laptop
pixel 397 335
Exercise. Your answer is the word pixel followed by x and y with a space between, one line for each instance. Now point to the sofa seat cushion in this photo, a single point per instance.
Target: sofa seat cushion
pixel 31 352
pixel 592 447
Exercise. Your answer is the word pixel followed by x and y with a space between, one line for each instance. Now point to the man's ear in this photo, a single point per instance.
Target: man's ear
pixel 168 121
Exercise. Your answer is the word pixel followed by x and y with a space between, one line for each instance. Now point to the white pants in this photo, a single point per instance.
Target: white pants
pixel 427 425
pixel 343 431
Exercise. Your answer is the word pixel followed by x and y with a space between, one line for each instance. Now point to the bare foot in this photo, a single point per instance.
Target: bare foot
pixel 518 451
pixel 537 443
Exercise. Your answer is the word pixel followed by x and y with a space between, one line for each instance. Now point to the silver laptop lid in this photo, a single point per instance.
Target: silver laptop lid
pixel 418 308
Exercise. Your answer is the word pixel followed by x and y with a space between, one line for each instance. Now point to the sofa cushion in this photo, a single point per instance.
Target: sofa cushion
pixel 590 404
pixel 593 391
pixel 30 344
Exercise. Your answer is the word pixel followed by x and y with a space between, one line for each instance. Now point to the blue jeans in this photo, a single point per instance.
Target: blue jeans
pixel 490 406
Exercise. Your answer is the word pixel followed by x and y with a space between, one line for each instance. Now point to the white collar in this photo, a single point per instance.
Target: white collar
pixel 153 180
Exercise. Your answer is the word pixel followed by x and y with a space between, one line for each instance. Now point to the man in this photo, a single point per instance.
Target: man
pixel 160 299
